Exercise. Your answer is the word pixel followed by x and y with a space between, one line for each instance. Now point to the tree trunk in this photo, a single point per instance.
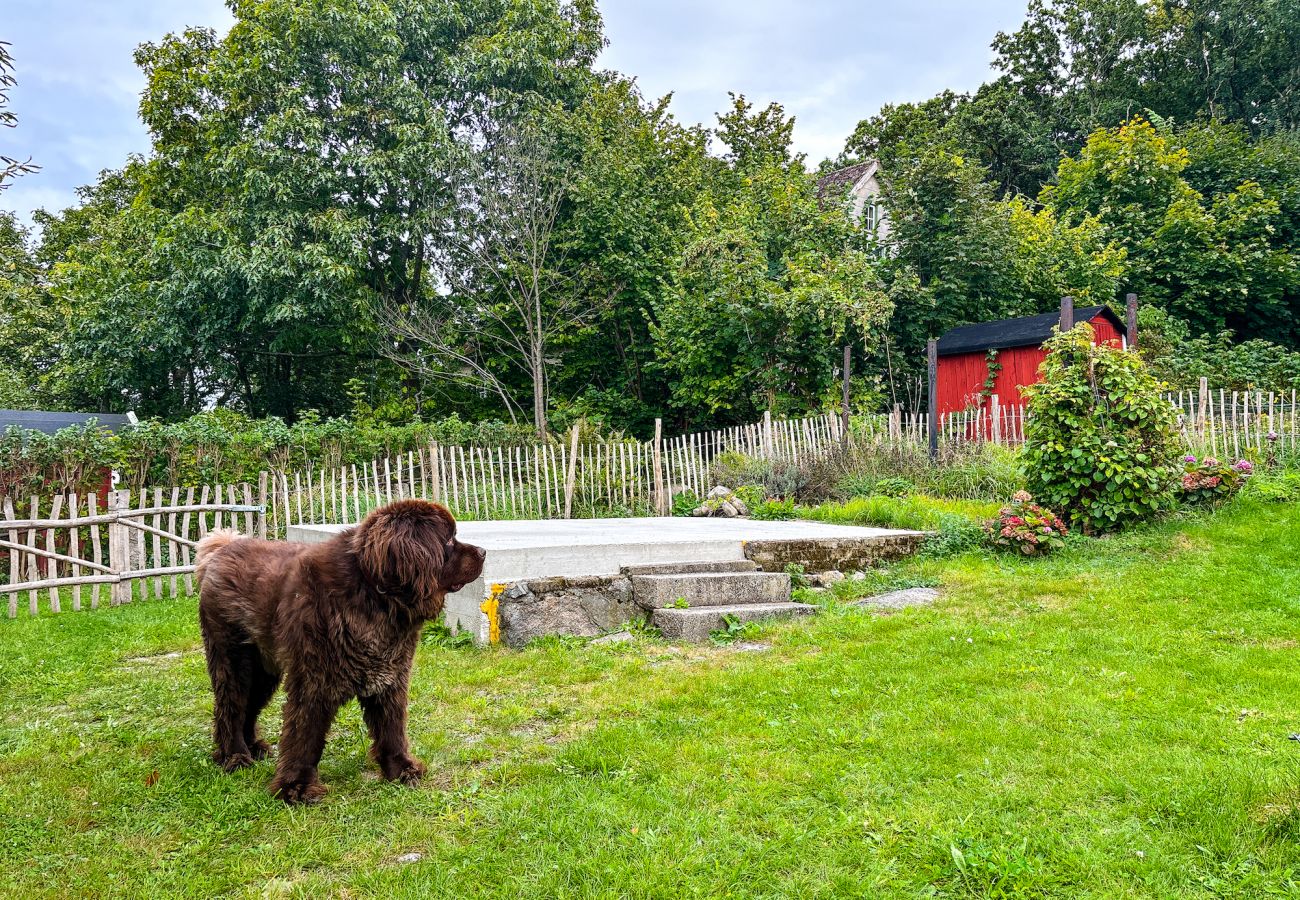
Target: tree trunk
pixel 539 391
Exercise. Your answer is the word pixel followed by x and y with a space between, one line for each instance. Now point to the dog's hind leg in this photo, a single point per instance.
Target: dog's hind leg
pixel 229 667
pixel 260 691
pixel 385 716
pixel 308 713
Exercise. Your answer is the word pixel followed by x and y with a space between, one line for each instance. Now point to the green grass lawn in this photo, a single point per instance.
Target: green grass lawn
pixel 1110 723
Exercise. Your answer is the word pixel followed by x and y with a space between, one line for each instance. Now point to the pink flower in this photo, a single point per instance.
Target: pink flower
pixel 1189 459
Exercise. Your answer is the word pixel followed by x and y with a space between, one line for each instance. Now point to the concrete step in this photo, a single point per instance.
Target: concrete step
pixel 710 589
pixel 678 568
pixel 694 625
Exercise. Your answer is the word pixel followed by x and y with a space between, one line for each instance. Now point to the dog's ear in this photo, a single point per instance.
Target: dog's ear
pixel 401 550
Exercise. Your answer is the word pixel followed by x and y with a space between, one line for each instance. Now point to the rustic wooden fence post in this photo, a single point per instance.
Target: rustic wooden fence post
pixel 262 499
pixel 1202 404
pixel 660 506
pixel 767 434
pixel 1067 313
pixel 932 367
pixel 1131 320
pixel 995 418
pixel 119 548
pixel 571 471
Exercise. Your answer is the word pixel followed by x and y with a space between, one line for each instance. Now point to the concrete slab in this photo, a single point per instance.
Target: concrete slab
pixel 523 549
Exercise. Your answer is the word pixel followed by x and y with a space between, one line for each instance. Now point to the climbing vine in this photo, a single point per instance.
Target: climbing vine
pixel 995 368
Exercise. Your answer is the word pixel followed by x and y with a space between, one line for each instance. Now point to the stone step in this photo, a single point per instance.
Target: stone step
pixel 678 568
pixel 710 589
pixel 695 625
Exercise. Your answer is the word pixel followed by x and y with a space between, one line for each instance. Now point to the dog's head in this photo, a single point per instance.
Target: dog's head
pixel 408 550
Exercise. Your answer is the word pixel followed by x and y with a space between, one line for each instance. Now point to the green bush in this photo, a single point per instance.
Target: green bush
pixel 685 503
pixel 778 478
pixel 1211 481
pixel 1283 487
pixel 1100 442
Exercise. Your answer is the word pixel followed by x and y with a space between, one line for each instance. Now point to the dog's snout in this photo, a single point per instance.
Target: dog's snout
pixel 479 552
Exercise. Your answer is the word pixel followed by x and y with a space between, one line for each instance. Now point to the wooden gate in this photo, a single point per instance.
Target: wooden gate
pixel 150 547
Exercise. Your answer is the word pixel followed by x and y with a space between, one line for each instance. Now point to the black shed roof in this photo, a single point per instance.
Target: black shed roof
pixel 50 422
pixel 1030 331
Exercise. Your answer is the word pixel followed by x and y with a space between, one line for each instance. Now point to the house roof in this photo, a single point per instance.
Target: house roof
pixel 50 422
pixel 841 179
pixel 1029 331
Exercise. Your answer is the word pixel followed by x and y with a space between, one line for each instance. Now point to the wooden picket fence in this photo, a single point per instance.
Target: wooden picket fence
pixel 545 481
pixel 1213 422
pixel 68 548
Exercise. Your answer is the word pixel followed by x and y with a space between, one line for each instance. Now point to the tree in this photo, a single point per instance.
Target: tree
pixel 298 179
pixel 28 333
pixel 1220 262
pixel 9 166
pixel 769 285
pixel 511 289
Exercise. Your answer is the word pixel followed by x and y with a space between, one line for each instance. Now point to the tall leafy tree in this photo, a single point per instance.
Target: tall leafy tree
pixel 770 283
pixel 299 174
pixel 1220 262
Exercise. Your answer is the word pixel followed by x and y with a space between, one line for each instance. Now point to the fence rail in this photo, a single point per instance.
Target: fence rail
pixel 134 551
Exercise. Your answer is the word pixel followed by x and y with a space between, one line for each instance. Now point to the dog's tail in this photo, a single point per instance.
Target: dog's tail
pixel 212 543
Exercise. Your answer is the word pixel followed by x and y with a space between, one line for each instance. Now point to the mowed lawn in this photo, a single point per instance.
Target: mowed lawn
pixel 1111 723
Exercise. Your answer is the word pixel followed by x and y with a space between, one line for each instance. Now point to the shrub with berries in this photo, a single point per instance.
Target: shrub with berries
pixel 1211 481
pixel 1026 527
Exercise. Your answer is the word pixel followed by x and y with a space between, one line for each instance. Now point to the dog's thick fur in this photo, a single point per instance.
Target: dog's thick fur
pixel 335 620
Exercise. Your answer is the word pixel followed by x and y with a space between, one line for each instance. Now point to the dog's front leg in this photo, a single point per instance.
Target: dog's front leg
pixel 385 716
pixel 308 713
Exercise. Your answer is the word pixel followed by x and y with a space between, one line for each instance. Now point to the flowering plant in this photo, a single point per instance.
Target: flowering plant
pixel 1027 527
pixel 1211 481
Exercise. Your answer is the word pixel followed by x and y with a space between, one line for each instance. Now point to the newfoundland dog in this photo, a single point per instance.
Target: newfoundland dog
pixel 335 620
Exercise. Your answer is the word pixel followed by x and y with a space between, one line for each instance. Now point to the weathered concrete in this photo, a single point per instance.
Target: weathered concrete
pixel 523 550
pixel 710 589
pixel 694 625
pixel 900 599
pixel 832 553
pixel 677 568
pixel 585 606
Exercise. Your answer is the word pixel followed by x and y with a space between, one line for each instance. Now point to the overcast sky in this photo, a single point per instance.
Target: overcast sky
pixel 829 62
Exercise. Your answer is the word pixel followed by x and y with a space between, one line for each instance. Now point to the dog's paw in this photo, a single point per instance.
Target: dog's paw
pixel 259 749
pixel 296 792
pixel 405 771
pixel 232 762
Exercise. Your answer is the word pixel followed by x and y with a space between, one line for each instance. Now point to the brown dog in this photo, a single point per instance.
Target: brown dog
pixel 335 620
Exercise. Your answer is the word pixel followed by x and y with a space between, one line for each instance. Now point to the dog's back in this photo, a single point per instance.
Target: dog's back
pixel 208 546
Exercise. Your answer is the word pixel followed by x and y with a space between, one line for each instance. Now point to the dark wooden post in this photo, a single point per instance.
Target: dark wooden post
pixel 932 366
pixel 1132 321
pixel 1067 313
pixel 844 406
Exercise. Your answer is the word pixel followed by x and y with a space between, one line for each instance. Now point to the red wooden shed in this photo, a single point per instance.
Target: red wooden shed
pixel 1014 345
